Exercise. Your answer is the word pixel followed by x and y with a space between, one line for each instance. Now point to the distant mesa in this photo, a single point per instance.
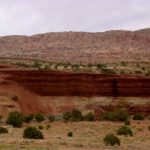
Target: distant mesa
pixel 80 47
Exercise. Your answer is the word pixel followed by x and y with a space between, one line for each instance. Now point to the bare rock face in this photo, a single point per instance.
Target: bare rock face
pixel 80 47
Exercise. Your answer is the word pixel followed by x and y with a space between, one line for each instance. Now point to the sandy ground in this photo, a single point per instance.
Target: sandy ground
pixel 86 136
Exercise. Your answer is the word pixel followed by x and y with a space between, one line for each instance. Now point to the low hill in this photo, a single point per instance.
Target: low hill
pixel 80 47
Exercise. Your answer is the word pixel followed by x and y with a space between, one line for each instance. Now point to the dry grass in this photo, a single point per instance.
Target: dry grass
pixel 86 136
pixel 120 67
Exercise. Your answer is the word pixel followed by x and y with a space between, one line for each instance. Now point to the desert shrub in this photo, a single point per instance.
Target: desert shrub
pixel 117 115
pixel 28 118
pixel 14 97
pixel 108 116
pixel 51 118
pixel 139 129
pixel 138 116
pixel 70 134
pixel 90 65
pixel 48 127
pixel 15 118
pixel 40 127
pixel 122 72
pixel 138 72
pixel 108 71
pixel 21 64
pixel 111 139
pixel 101 66
pixel 66 116
pixel 76 115
pixel 121 115
pixel 32 133
pixel 46 67
pixel 37 64
pixel 58 117
pixel 39 117
pixel 3 130
pixel 127 122
pixel 124 130
pixel 123 63
pixel 143 68
pixel 89 117
pixel 75 65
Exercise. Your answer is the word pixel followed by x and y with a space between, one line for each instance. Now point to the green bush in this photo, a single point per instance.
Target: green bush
pixel 127 122
pixel 76 115
pixel 40 127
pixel 15 118
pixel 37 65
pixel 111 139
pixel 51 118
pixel 70 134
pixel 89 117
pixel 117 115
pixel 59 118
pixel 108 71
pixel 101 66
pixel 123 63
pixel 143 68
pixel 3 130
pixel 138 116
pixel 28 118
pixel 138 72
pixel 124 130
pixel 66 116
pixel 121 115
pixel 48 126
pixel 122 72
pixel 32 133
pixel 39 117
pixel 108 116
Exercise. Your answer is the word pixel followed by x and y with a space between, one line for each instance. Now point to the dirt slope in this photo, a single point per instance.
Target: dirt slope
pixel 80 47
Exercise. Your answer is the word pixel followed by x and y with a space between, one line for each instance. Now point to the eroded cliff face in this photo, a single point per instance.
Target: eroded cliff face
pixel 50 83
pixel 57 92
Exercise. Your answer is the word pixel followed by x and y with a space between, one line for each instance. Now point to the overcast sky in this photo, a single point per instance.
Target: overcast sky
pixel 29 17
